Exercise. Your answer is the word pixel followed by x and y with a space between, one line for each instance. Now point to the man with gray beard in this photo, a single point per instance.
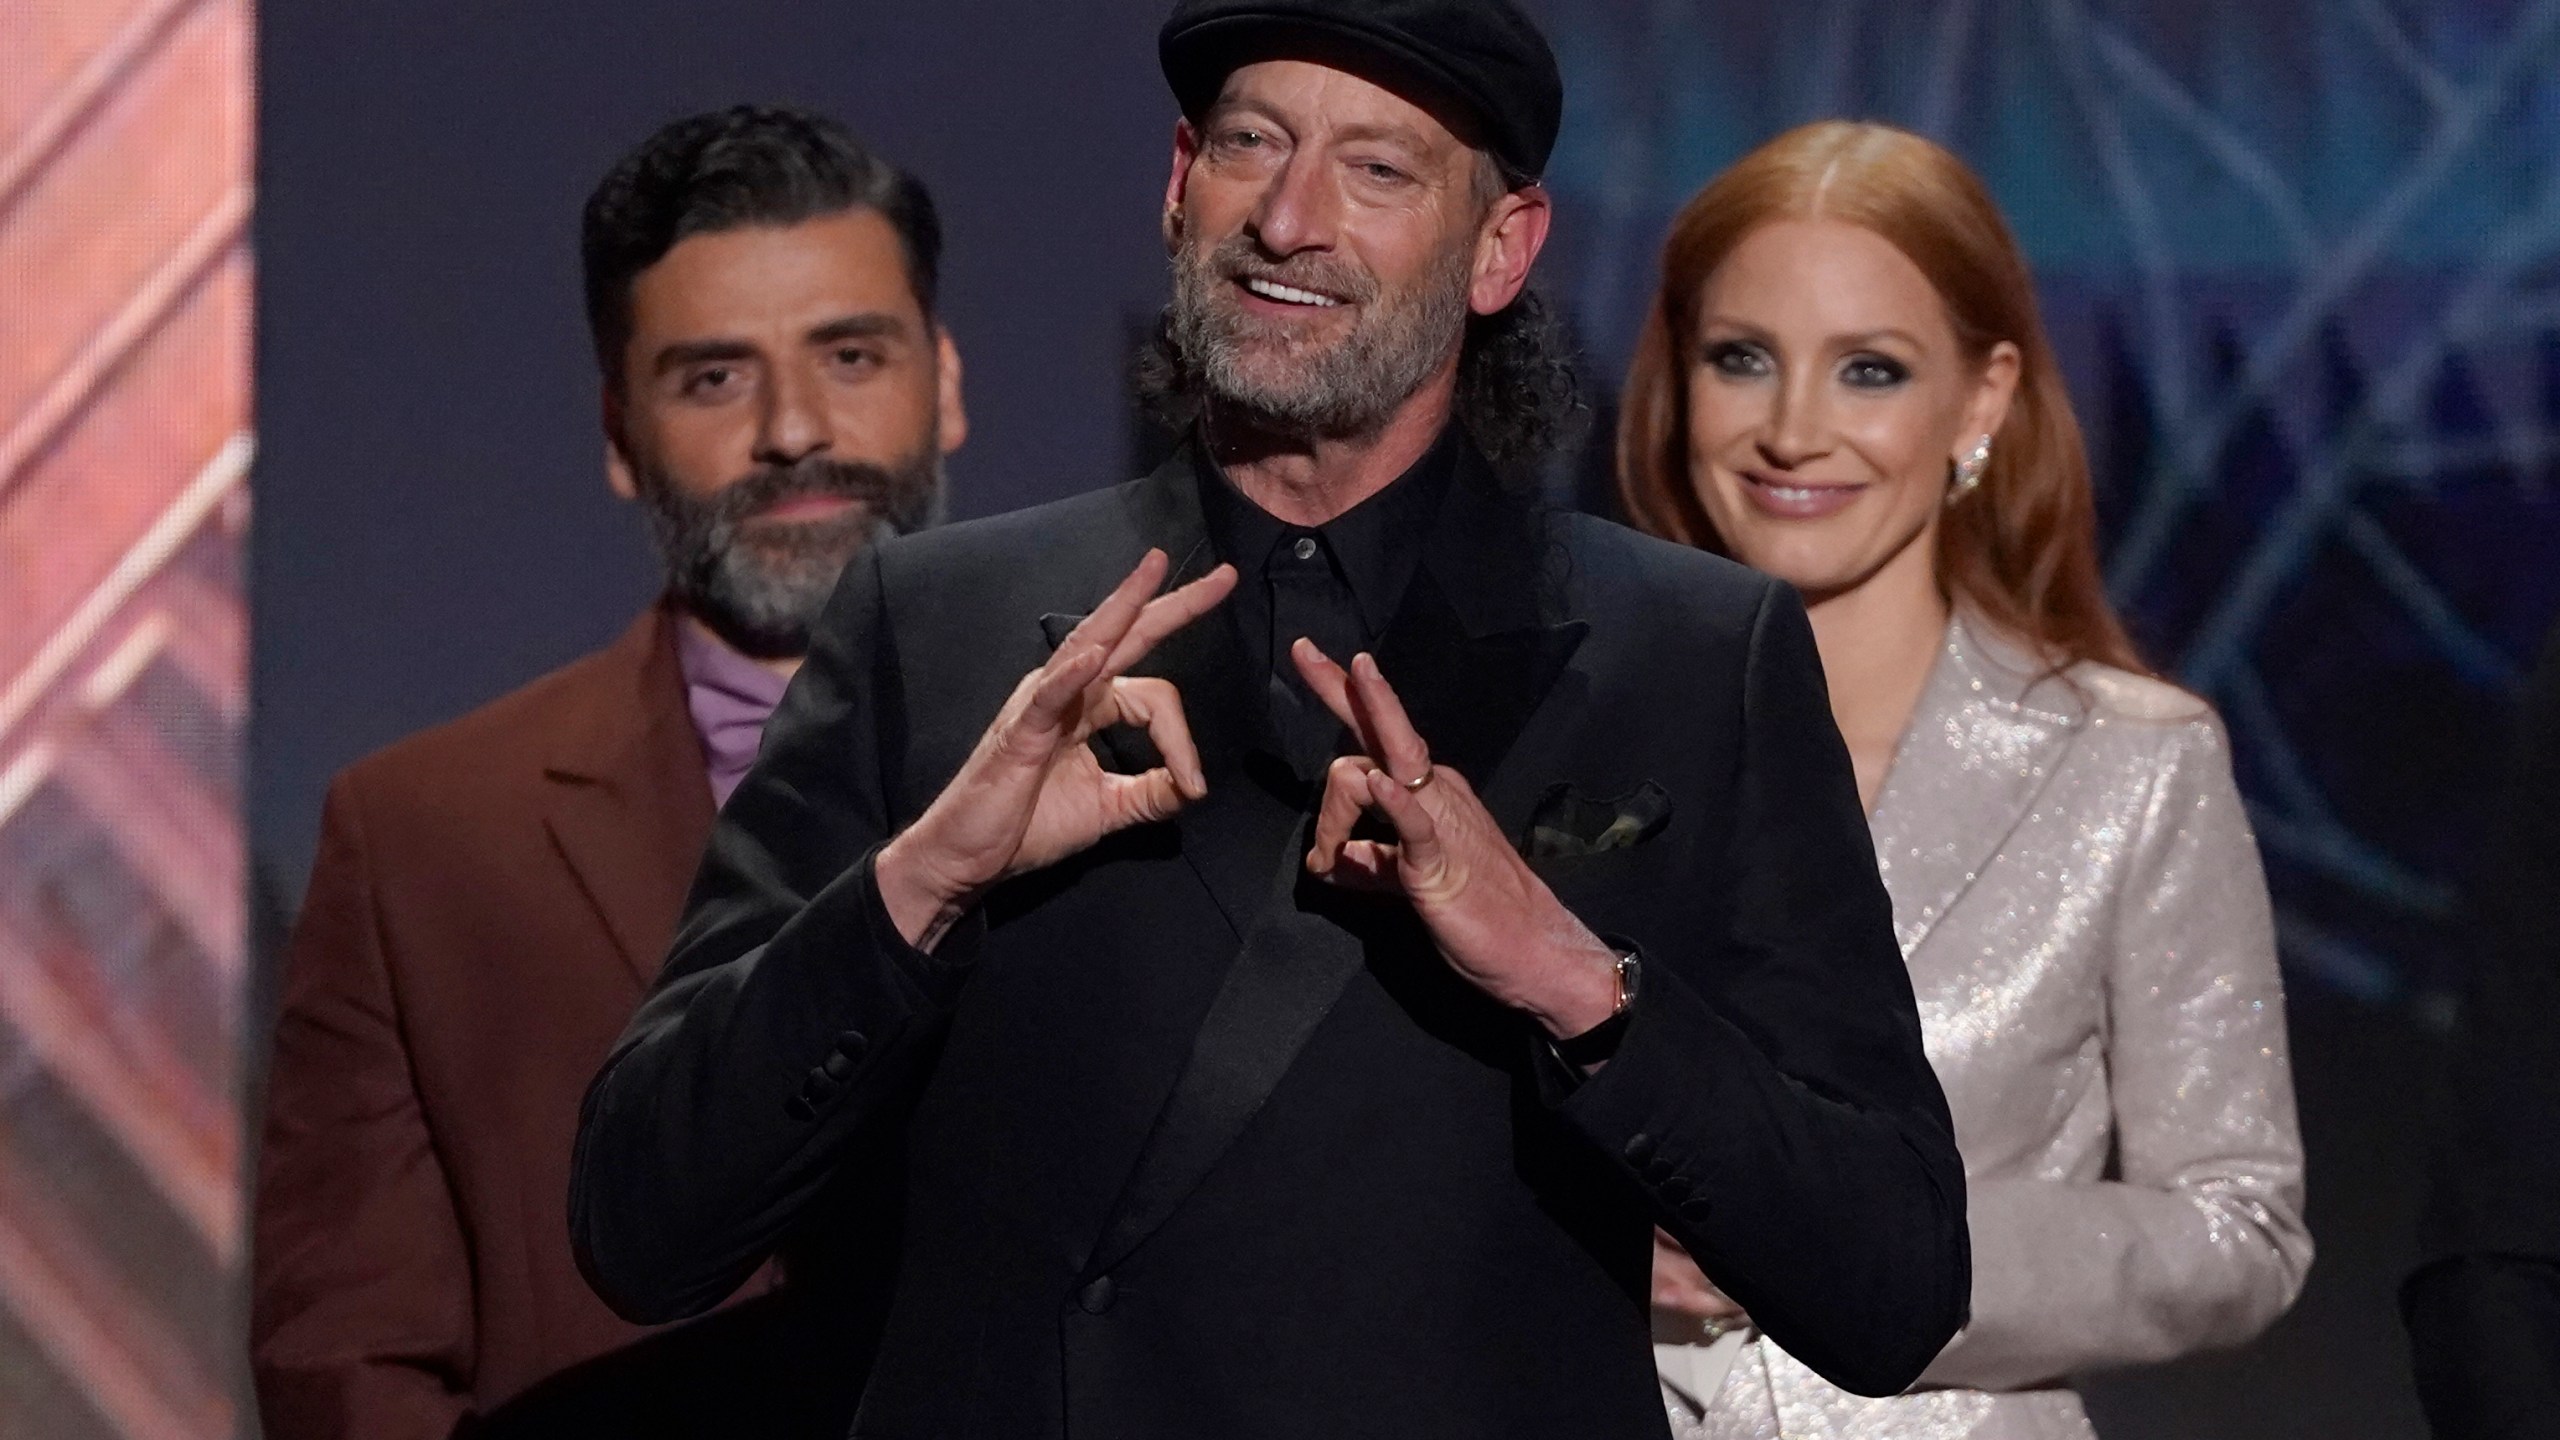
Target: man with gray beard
pixel 492 895
pixel 1291 926
pixel 759 582
pixel 1266 373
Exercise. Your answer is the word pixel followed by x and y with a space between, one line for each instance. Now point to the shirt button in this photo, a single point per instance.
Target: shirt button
pixel 1306 547
pixel 1096 1297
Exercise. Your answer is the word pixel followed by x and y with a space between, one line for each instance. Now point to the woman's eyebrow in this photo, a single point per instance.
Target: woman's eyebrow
pixel 1852 341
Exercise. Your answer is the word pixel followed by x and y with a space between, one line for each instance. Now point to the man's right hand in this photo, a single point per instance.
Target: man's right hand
pixel 1686 1298
pixel 1032 793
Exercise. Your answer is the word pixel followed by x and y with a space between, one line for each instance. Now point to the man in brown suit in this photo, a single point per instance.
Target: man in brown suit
pixel 491 896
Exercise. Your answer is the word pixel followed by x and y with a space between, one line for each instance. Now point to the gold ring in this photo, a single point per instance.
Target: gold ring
pixel 1422 779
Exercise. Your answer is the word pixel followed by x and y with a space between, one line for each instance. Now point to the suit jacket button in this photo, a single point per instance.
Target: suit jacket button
pixel 1639 1148
pixel 1675 1186
pixel 838 1066
pixel 1096 1297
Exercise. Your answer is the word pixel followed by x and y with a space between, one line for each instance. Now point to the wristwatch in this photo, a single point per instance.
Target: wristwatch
pixel 1601 1041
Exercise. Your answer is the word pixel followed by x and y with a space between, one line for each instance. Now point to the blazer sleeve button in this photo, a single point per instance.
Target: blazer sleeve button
pixel 840 1063
pixel 1095 1298
pixel 1638 1149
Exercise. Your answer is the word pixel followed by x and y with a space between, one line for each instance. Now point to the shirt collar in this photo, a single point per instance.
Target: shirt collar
pixel 729 697
pixel 1376 544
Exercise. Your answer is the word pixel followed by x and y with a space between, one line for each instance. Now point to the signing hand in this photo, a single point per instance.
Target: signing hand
pixel 1682 1291
pixel 1032 793
pixel 1492 917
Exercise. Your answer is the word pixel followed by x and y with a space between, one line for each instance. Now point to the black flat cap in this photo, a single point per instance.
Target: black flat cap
pixel 1483 59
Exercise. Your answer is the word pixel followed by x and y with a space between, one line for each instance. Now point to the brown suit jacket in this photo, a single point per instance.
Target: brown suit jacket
pixel 490 901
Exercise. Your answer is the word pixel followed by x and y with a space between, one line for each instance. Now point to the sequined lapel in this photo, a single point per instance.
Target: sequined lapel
pixel 1986 738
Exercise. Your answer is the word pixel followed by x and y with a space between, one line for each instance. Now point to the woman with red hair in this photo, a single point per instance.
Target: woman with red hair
pixel 1844 383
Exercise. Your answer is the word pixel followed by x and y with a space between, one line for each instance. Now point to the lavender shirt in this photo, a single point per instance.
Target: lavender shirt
pixel 729 697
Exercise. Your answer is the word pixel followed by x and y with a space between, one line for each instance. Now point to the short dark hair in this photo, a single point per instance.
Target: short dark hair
pixel 728 169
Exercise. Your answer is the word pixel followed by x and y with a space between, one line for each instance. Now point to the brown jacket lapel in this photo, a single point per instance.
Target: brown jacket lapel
pixel 629 804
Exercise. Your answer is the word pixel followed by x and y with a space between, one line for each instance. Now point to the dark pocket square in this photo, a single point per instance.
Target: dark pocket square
pixel 1567 822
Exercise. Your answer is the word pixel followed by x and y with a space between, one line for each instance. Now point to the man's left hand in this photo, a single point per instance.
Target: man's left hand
pixel 1492 917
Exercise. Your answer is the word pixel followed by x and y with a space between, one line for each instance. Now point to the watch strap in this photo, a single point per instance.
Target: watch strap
pixel 1601 1041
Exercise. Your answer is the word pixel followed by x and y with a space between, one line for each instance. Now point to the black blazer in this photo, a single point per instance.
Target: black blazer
pixel 1192 1150
pixel 2483 1307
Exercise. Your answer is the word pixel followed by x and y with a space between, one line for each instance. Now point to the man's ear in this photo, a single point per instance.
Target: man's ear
pixel 1508 245
pixel 952 413
pixel 1186 148
pixel 617 447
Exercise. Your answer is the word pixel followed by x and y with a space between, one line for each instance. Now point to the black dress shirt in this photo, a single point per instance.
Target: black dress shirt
pixel 1338 584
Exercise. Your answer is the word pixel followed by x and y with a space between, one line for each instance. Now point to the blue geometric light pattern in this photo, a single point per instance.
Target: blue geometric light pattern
pixel 2302 260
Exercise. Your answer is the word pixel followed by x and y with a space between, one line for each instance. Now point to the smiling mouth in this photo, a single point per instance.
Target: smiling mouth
pixel 1785 491
pixel 1278 293
pixel 1796 499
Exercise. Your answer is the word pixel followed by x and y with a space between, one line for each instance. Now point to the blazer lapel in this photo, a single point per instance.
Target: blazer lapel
pixel 629 805
pixel 1471 652
pixel 1284 980
pixel 1229 838
pixel 1479 638
pixel 1988 735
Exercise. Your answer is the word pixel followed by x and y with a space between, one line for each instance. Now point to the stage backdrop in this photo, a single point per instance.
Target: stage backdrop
pixel 124 335
pixel 2302 258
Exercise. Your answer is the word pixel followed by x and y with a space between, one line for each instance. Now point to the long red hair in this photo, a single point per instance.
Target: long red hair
pixel 2021 550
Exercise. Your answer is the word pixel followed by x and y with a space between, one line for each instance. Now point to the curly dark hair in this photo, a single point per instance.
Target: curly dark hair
pixel 1519 388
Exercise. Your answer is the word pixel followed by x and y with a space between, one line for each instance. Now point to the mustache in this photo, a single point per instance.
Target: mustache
pixel 1240 257
pixel 815 477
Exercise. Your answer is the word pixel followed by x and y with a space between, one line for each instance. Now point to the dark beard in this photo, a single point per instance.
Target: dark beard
pixel 1345 387
pixel 760 584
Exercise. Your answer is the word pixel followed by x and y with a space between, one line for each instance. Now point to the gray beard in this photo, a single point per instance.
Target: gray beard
pixel 1332 389
pixel 761 584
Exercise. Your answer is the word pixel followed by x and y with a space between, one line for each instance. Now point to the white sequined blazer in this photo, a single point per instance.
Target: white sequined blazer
pixel 2081 905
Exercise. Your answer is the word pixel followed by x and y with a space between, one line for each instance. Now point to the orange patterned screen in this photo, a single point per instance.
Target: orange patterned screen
pixel 124 448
